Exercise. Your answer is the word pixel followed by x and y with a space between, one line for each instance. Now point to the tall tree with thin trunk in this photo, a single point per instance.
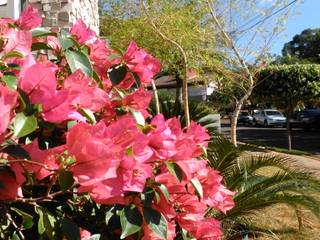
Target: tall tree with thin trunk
pixel 241 42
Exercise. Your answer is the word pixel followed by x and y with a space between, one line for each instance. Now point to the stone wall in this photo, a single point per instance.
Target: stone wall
pixel 63 13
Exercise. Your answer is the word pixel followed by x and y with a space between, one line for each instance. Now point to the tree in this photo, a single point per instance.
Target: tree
pixel 286 85
pixel 175 32
pixel 304 46
pixel 257 36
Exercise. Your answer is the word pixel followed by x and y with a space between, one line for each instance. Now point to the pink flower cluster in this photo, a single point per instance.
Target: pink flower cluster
pixel 114 156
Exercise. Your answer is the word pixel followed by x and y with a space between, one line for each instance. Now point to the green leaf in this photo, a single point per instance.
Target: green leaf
pixel 175 170
pixel 15 236
pixel 70 230
pixel 46 223
pixel 11 81
pixel 117 74
pixel 164 191
pixel 88 114
pixel 197 186
pixel 27 219
pixel 41 32
pixel 112 213
pixel 147 196
pixel 70 124
pixel 130 220
pixel 97 79
pixel 66 40
pixel 138 117
pixel 78 60
pixel 40 46
pixel 65 180
pixel 23 125
pixel 156 221
pixel 12 54
pixel 95 237
pixel 16 151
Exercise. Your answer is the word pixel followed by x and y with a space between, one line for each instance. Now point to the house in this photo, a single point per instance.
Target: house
pixel 56 13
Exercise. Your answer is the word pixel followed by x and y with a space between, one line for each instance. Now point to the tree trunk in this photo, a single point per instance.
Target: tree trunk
pixel 289 135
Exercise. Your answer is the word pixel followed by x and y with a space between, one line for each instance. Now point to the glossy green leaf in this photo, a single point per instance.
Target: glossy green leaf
pixel 23 125
pixel 66 40
pixel 41 32
pixel 95 237
pixel 65 180
pixel 138 117
pixel 88 114
pixel 70 230
pixel 16 151
pixel 15 236
pixel 78 60
pixel 11 81
pixel 197 186
pixel 117 74
pixel 27 219
pixel 130 220
pixel 46 223
pixel 97 79
pixel 175 170
pixel 40 46
pixel 156 221
pixel 13 54
pixel 164 191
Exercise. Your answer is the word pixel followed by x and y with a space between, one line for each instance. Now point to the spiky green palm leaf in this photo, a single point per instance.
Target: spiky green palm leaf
pixel 261 181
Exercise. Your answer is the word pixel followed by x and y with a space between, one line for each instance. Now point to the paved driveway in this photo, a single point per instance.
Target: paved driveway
pixel 308 141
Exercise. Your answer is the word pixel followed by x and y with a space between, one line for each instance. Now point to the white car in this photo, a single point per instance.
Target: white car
pixel 269 117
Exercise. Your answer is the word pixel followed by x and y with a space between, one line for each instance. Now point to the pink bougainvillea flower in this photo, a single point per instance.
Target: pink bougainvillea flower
pixel 58 108
pixel 99 52
pixel 46 159
pixel 134 174
pixel 8 99
pixel 19 41
pixel 9 188
pixel 141 63
pixel 39 83
pixel 138 100
pixel 84 93
pixel 162 139
pixel 4 25
pixel 82 32
pixel 214 193
pixel 84 234
pixel 29 18
pixel 94 154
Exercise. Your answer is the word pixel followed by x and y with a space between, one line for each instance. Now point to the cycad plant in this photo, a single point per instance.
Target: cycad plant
pixel 259 181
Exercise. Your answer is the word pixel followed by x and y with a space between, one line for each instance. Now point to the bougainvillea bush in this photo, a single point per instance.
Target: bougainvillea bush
pixel 81 157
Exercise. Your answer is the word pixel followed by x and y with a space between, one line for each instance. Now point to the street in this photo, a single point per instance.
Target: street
pixel 308 141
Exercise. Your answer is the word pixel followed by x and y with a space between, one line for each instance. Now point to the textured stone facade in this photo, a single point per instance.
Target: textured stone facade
pixel 63 13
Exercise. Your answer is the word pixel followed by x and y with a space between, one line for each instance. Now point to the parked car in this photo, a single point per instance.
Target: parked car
pixel 269 117
pixel 245 118
pixel 306 119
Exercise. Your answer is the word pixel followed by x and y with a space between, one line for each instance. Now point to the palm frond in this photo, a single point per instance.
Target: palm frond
pixel 261 181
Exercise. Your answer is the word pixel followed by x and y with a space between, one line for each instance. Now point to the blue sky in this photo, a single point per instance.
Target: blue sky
pixel 306 15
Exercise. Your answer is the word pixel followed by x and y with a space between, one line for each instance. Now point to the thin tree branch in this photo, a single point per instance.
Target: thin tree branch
pixel 184 59
pixel 18 229
pixel 156 97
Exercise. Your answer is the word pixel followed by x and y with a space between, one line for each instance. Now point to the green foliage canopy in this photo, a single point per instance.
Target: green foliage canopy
pixel 182 21
pixel 287 85
pixel 304 46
